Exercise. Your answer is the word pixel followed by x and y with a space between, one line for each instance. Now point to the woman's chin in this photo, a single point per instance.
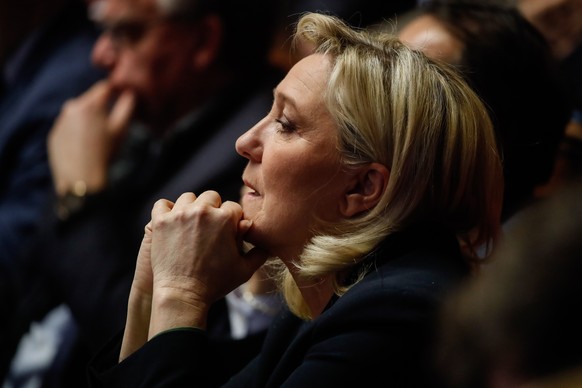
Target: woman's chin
pixel 250 207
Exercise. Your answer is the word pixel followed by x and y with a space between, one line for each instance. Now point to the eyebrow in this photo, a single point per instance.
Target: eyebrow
pixel 285 98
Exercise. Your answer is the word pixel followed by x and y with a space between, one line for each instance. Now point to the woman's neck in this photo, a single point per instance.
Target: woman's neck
pixel 316 294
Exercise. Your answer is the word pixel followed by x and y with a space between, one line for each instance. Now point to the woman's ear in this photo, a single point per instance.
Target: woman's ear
pixel 209 32
pixel 367 188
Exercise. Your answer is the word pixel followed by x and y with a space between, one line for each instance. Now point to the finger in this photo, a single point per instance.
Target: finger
pixel 90 98
pixel 185 199
pixel 99 93
pixel 234 208
pixel 121 114
pixel 243 227
pixel 234 211
pixel 161 206
pixel 210 197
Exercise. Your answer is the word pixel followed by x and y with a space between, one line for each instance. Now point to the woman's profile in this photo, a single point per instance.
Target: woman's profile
pixel 372 181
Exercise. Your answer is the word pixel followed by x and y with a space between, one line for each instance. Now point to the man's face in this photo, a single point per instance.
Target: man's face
pixel 148 54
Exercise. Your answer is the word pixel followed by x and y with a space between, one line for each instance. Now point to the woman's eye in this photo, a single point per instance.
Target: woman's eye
pixel 284 126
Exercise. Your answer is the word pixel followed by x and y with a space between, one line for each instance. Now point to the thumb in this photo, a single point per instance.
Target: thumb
pixel 121 114
pixel 243 227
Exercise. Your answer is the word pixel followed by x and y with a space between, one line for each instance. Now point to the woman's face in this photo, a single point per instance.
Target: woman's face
pixel 293 175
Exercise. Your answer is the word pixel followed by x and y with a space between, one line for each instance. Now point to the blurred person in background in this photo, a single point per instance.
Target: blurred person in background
pixel 45 50
pixel 518 324
pixel 559 22
pixel 511 66
pixel 184 79
pixel 358 13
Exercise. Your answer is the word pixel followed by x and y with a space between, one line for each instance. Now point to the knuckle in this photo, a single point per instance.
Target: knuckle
pixel 159 202
pixel 201 212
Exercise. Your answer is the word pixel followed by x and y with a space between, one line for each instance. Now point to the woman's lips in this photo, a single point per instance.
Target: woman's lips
pixel 252 194
pixel 250 189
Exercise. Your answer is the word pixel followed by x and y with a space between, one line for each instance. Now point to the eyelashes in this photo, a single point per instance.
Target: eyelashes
pixel 284 126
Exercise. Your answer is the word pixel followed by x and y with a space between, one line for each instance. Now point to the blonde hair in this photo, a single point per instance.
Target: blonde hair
pixel 416 116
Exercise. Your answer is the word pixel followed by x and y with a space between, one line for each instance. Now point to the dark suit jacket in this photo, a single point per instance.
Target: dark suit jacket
pixel 380 333
pixel 52 65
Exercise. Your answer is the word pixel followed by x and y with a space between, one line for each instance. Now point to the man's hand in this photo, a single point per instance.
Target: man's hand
pixel 86 135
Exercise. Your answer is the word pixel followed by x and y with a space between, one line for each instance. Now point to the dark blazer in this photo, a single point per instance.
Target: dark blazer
pixel 380 333
pixel 52 65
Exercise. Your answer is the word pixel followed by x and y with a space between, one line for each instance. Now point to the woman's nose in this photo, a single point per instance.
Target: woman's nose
pixel 250 144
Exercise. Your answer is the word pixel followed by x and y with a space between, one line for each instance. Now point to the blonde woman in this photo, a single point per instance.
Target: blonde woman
pixel 371 180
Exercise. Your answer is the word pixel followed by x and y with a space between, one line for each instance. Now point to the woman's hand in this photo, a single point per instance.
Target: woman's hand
pixel 139 307
pixel 196 258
